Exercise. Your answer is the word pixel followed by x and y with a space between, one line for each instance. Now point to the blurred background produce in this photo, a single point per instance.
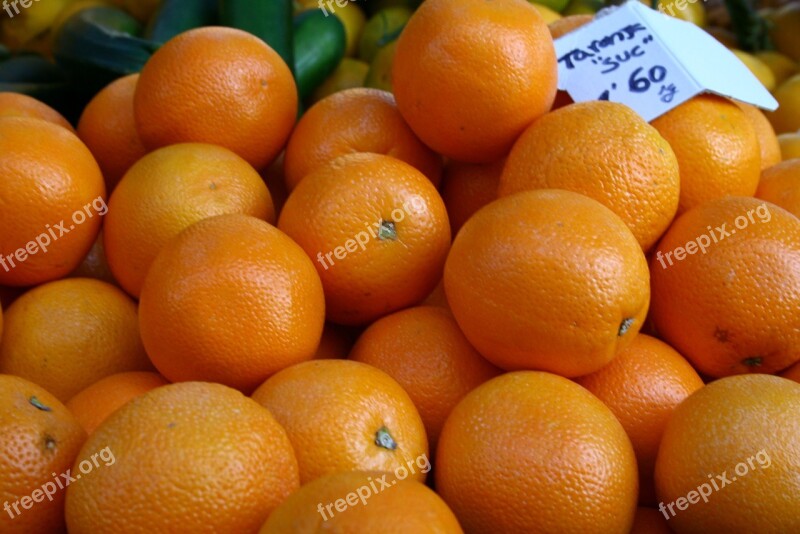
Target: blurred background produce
pixel 64 51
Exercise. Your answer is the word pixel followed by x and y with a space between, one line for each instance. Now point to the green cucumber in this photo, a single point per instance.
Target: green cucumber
pixel 100 44
pixel 270 20
pixel 177 16
pixel 33 75
pixel 319 46
pixel 30 69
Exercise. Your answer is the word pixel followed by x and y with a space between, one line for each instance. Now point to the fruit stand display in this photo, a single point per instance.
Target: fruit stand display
pixel 382 265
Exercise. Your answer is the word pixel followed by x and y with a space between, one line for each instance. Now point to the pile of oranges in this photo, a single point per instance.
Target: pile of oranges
pixel 466 305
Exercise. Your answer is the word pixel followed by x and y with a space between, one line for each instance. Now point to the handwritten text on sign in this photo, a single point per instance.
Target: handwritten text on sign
pixel 633 55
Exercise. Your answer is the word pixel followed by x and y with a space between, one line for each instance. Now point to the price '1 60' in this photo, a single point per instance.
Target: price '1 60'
pixel 640 82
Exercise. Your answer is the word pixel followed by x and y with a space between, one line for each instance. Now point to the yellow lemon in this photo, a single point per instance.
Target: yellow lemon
pixel 785 32
pixel 350 73
pixel 787 117
pixel 757 67
pixel 547 14
pixel 783 67
pixel 790 145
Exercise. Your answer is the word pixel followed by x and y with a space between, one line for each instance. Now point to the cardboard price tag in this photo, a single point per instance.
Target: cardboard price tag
pixel 651 62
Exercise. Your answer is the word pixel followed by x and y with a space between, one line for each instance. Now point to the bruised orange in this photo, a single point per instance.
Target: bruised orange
pixel 470 75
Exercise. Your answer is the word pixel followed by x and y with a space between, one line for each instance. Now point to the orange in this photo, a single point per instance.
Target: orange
pixel 793 373
pixel 437 297
pixel 605 151
pixel 561 27
pixel 716 146
pixel 470 75
pixel 534 452
pixel 642 386
pixel 377 231
pixel 335 344
pixel 9 295
pixel 736 444
pixel 424 350
pixel 768 145
pixel 342 415
pixel 396 505
pixel 467 187
pixel 780 185
pixel 52 198
pixel 108 128
pixel 274 178
pixel 94 264
pixel 548 280
pixel 221 86
pixel 20 105
pixel 364 120
pixel 649 521
pixel 167 191
pixel 787 117
pixel 790 145
pixel 67 335
pixel 192 457
pixel 733 304
pixel 231 300
pixel 94 404
pixel 38 437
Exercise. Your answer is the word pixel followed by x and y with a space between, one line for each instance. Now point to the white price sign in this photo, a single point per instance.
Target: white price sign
pixel 651 62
